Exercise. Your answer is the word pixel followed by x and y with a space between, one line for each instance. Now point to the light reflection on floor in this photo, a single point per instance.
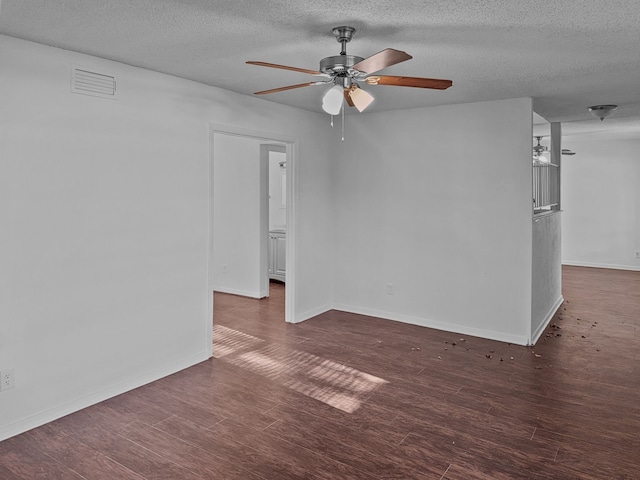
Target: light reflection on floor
pixel 227 341
pixel 330 382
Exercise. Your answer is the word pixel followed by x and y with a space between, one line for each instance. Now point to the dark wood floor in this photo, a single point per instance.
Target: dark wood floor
pixel 344 396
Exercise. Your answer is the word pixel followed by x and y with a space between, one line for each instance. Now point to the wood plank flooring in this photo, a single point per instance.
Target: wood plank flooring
pixel 344 396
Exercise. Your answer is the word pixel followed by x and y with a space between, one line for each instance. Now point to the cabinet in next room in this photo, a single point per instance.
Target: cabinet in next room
pixel 277 255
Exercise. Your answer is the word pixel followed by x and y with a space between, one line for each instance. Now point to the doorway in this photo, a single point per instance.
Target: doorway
pixel 275 157
pixel 233 232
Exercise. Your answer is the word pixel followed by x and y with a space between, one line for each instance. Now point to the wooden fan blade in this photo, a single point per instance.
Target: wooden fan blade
pixel 288 87
pixel 347 97
pixel 418 82
pixel 285 67
pixel 381 60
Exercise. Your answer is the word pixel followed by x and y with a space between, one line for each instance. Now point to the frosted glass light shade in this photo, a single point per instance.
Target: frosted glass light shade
pixel 332 100
pixel 360 98
pixel 602 111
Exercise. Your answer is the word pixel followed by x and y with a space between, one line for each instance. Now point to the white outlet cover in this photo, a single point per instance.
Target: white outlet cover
pixel 7 380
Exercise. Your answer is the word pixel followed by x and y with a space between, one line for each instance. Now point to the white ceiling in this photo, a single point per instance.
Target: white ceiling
pixel 566 54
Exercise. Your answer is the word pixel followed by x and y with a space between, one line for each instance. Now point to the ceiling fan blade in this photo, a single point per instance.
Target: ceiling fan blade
pixel 347 97
pixel 361 99
pixel 418 82
pixel 381 60
pixel 285 67
pixel 289 87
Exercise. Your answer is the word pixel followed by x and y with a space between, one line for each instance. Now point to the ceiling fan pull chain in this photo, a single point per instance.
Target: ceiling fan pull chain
pixel 331 121
pixel 343 123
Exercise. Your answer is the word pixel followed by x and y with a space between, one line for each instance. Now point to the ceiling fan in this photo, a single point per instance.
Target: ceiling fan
pixel 347 72
pixel 538 149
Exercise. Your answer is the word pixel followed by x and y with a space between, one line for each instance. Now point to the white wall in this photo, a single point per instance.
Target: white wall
pixel 601 201
pixel 546 288
pixel 104 207
pixel 277 196
pixel 237 232
pixel 547 272
pixel 105 212
pixel 437 202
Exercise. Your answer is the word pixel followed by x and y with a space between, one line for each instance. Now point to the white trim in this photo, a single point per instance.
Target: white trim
pixel 444 326
pixel 292 227
pixel 312 313
pixel 602 265
pixel 50 414
pixel 539 216
pixel 292 146
pixel 209 317
pixel 535 336
pixel 242 293
pixel 265 149
pixel 264 220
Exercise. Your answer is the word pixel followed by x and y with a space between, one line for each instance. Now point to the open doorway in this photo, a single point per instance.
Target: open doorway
pixel 276 159
pixel 242 250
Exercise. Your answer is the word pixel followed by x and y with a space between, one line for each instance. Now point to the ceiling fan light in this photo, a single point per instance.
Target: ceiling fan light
pixel 360 98
pixel 332 100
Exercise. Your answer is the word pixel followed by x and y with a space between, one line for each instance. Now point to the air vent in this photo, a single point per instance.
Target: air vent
pixel 89 82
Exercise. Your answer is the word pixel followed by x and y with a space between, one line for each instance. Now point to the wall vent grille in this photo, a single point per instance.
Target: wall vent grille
pixel 88 82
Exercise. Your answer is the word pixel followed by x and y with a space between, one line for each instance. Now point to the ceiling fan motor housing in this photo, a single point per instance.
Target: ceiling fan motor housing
pixel 339 64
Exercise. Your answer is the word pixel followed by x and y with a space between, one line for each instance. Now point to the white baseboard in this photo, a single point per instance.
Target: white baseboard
pixel 536 334
pixel 242 293
pixel 633 268
pixel 425 322
pixel 301 317
pixel 50 414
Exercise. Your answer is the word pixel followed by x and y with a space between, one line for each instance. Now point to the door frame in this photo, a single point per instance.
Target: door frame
pixel 265 219
pixel 291 150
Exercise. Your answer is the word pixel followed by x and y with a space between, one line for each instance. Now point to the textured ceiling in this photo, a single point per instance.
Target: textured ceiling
pixel 566 54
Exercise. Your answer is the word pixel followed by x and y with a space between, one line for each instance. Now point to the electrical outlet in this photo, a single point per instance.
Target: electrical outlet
pixel 637 254
pixel 224 268
pixel 7 380
pixel 391 289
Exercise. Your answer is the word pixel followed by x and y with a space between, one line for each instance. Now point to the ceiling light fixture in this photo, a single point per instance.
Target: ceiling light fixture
pixel 602 111
pixel 347 72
